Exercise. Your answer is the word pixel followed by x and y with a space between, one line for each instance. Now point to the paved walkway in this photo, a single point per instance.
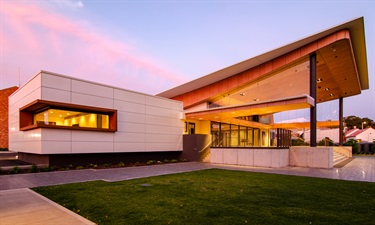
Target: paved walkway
pixel 26 207
pixel 19 205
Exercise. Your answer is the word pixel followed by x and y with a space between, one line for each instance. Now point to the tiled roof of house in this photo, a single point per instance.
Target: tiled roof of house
pixel 355 132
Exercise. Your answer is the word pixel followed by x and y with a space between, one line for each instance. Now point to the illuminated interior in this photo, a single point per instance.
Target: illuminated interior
pixel 58 117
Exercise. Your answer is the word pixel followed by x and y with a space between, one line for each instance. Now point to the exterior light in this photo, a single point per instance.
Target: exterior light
pixel 331 95
pixel 242 94
pixel 362 124
pixel 326 89
pixel 319 80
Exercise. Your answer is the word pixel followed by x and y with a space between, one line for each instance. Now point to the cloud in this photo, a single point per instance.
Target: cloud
pixel 69 3
pixel 34 38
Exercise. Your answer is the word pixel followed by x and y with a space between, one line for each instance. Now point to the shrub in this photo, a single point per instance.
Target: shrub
pixel 299 142
pixel 121 164
pixel 326 142
pixel 150 162
pixel 4 149
pixel 93 165
pixel 15 170
pixel 79 167
pixel 34 168
pixel 173 160
pixel 47 169
pixel 354 145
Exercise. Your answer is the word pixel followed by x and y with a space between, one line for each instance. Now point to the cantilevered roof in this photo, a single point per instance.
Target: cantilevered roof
pixel 357 35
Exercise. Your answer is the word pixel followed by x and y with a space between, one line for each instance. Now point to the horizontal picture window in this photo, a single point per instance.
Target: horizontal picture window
pixel 46 114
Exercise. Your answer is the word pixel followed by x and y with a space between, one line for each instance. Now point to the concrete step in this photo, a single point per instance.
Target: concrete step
pixel 338 158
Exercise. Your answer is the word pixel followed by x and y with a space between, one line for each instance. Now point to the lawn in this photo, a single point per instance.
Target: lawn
pixel 219 197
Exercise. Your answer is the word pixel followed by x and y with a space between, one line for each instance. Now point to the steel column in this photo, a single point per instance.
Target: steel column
pixel 341 121
pixel 313 95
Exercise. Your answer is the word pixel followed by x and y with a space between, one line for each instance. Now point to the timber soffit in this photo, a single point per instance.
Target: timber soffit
pixel 356 28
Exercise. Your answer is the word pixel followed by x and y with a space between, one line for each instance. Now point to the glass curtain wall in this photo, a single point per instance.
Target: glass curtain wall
pixel 230 135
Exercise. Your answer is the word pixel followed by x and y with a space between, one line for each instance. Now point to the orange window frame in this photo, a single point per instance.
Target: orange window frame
pixel 27 115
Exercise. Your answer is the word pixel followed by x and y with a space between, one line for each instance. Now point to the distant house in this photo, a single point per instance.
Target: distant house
pixel 367 134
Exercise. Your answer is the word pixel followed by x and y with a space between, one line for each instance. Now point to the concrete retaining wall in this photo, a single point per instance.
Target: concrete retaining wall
pixel 250 157
pixel 314 157
pixel 301 156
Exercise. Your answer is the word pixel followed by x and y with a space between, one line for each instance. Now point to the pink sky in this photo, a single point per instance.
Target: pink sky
pixel 35 37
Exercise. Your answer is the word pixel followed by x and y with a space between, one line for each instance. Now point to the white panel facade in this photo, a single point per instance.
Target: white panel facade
pixel 144 122
pixel 19 140
pixel 56 95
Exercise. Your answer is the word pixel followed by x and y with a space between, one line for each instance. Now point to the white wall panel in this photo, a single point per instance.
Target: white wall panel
pixel 90 100
pixel 155 129
pixel 16 137
pixel 56 135
pixel 80 135
pixel 163 103
pixel 130 117
pixel 56 147
pixel 91 89
pixel 156 111
pixel 26 89
pixel 129 96
pixel 131 127
pixel 30 97
pixel 14 106
pixel 56 95
pixel 158 147
pixel 129 147
pixel 14 118
pixel 129 137
pixel 56 82
pixel 129 107
pixel 92 147
pixel 32 147
pixel 158 138
pixel 166 121
pixel 32 135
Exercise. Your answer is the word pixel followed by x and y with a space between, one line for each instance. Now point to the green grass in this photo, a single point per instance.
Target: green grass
pixel 219 197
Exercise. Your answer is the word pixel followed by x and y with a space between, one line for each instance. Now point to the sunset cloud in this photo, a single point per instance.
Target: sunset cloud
pixel 34 37
pixel 69 3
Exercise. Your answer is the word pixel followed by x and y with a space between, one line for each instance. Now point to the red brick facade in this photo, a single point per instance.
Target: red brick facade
pixel 4 94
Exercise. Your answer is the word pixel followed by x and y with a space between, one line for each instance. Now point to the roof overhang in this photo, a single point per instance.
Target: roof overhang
pixel 357 35
pixel 230 114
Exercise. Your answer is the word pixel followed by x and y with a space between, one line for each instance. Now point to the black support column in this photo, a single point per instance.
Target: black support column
pixel 313 95
pixel 341 121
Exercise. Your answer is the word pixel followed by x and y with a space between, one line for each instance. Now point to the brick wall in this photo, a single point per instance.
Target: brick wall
pixel 4 94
